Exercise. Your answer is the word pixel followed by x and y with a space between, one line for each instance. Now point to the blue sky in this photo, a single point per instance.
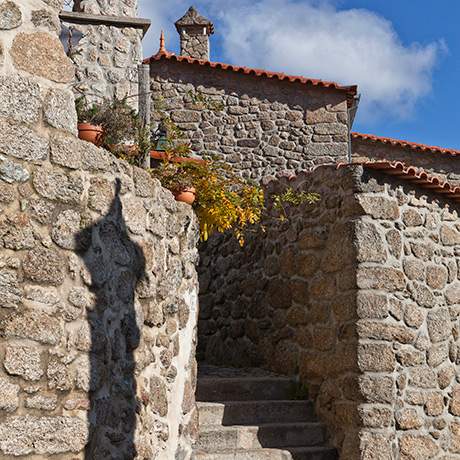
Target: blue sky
pixel 405 55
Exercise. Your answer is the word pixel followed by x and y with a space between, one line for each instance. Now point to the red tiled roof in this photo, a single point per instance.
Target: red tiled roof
pixel 413 175
pixel 404 144
pixel 163 54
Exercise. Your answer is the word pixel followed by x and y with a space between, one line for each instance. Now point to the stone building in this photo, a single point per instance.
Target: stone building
pixel 355 298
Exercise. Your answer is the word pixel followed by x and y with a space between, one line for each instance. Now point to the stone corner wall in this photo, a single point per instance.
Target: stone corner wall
pixel 106 57
pixel 408 328
pixel 358 296
pixel 98 285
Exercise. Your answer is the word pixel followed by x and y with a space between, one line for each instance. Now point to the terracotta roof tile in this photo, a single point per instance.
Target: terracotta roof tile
pixel 413 175
pixel 166 55
pixel 404 144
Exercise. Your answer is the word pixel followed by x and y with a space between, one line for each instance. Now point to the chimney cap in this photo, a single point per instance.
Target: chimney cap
pixel 192 18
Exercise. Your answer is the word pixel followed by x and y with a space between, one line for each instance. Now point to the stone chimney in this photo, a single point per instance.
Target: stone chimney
pixel 194 31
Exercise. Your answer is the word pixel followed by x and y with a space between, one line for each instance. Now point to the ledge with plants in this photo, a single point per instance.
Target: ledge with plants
pixel 223 200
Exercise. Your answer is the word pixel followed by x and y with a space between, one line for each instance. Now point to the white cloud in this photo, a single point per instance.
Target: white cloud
pixel 315 39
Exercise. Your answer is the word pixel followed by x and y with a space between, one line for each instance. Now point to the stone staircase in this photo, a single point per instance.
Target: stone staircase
pixel 249 415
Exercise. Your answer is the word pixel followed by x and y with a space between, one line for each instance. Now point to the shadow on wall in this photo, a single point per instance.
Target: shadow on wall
pixel 114 265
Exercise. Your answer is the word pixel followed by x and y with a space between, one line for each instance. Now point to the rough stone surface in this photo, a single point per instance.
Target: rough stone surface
pixel 353 295
pixel 22 142
pixel 10 15
pixel 24 361
pixel 25 435
pixel 20 99
pixel 59 110
pixel 254 124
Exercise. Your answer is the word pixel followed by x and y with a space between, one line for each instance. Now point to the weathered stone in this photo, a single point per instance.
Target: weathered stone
pixel 369 242
pixel 371 305
pixel 144 184
pixel 376 358
pixel 424 251
pixel 422 295
pixel 10 289
pixel 453 294
pixel 20 98
pixel 10 16
pixel 44 266
pixel 42 54
pixel 158 396
pixel 422 377
pixel 60 377
pixel 7 193
pixel 55 184
pixel 394 241
pixel 377 389
pixel 445 376
pixel 439 325
pixel 454 406
pixel 66 229
pixel 449 235
pixel 24 361
pixel 9 399
pixel 413 447
pixel 19 141
pixel 438 354
pixel 42 402
pixel 59 110
pixel 385 331
pixel 385 278
pixel 434 405
pixel 412 218
pixel 414 316
pixel 376 416
pixel 100 194
pixel 17 232
pixel 134 214
pixel 379 207
pixel 33 325
pixel 436 276
pixel 65 150
pixel 44 18
pixel 26 435
pixel 408 419
pixel 375 446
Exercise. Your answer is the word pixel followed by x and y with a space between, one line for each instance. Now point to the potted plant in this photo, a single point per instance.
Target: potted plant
pixel 222 200
pixel 88 129
pixel 119 122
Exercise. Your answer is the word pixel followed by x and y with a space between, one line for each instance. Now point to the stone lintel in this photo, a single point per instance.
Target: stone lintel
pixel 96 19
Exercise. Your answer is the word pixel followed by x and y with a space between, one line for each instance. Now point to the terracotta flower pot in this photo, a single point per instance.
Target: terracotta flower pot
pixel 187 195
pixel 90 133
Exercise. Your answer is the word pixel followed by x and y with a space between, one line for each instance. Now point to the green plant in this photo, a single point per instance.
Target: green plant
pixel 224 201
pixel 298 391
pixel 86 113
pixel 292 197
pixel 205 102
pixel 119 121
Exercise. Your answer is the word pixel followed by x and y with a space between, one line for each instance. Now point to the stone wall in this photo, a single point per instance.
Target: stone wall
pixel 98 285
pixel 408 305
pixel 358 296
pixel 442 165
pixel 258 125
pixel 107 57
pixel 285 300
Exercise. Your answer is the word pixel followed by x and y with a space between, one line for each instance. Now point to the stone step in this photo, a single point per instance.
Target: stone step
pixel 214 437
pixel 217 389
pixel 255 412
pixel 288 453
